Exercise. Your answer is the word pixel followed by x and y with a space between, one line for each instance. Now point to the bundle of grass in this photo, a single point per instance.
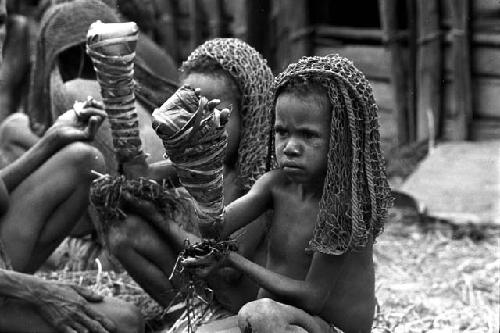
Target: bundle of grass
pixel 196 295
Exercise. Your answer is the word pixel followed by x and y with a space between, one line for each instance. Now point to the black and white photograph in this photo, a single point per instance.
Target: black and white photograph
pixel 249 166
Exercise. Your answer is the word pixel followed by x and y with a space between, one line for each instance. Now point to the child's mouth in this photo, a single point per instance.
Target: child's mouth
pixel 291 167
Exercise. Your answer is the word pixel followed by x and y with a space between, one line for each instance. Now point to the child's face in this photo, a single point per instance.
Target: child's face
pixel 302 134
pixel 215 87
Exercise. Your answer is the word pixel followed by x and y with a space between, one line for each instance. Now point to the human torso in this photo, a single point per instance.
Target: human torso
pixel 291 229
pixel 234 294
pixel 293 223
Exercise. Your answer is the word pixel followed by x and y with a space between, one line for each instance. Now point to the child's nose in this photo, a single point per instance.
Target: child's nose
pixel 291 148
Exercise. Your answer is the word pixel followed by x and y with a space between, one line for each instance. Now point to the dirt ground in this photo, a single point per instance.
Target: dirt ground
pixel 430 281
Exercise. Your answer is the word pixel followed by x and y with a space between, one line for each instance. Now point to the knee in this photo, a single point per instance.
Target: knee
pixel 118 240
pixel 126 316
pixel 83 158
pixel 256 315
pixel 132 318
pixel 121 237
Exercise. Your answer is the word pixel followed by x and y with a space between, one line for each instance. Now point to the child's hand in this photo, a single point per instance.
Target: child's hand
pixel 204 265
pixel 80 123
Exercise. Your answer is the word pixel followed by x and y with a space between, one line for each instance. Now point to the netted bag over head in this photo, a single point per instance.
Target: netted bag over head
pixel 195 141
pixel 111 46
pixel 254 79
pixel 356 194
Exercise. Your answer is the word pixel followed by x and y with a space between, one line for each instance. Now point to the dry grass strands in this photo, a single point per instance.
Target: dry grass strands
pixel 430 282
pixel 197 296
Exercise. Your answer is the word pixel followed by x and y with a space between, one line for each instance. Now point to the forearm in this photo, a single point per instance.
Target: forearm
pixel 17 171
pixel 19 285
pixel 177 236
pixel 294 292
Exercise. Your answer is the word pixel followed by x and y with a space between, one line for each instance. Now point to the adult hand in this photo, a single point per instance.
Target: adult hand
pixel 80 123
pixel 144 209
pixel 67 308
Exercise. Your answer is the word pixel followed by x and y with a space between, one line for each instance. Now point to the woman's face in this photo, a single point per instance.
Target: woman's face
pixel 219 87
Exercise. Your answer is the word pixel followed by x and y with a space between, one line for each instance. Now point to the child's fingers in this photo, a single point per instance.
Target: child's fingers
pixel 92 102
pixel 91 111
pixel 93 126
pixel 197 91
pixel 212 104
pixel 198 261
pixel 224 116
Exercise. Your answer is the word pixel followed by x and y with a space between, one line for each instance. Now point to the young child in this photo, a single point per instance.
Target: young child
pixel 230 70
pixel 329 198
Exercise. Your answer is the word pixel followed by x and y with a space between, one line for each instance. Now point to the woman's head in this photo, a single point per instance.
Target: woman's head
pixel 216 83
pixel 230 67
pixel 63 31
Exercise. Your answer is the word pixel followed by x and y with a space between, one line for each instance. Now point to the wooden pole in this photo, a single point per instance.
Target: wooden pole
pixel 412 70
pixel 213 8
pixel 258 25
pixel 461 118
pixel 166 27
pixel 292 22
pixel 389 18
pixel 429 69
pixel 194 31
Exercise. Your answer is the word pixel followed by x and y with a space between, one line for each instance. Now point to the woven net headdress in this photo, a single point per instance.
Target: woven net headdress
pixel 356 194
pixel 254 79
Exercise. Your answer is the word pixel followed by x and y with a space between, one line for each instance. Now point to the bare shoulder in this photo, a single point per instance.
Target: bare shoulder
pixel 271 180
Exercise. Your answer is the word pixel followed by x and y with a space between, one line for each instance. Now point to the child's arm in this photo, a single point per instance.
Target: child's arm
pixel 4 198
pixel 68 128
pixel 310 294
pixel 18 170
pixel 249 207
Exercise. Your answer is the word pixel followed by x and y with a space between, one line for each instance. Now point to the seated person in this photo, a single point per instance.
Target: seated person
pixel 62 72
pixel 42 195
pixel 233 72
pixel 329 198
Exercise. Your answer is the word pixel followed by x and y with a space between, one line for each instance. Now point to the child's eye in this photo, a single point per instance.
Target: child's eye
pixel 309 135
pixel 280 131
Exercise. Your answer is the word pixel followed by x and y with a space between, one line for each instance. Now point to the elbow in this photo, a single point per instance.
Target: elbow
pixel 314 300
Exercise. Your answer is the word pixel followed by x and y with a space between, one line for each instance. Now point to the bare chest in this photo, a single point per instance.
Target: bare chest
pixel 291 230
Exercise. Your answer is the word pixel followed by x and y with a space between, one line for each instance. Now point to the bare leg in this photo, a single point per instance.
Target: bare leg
pixel 18 316
pixel 45 207
pixel 266 316
pixel 146 257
